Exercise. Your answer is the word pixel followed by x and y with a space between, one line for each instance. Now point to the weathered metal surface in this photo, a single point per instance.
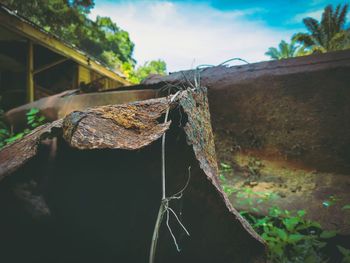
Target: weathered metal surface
pixel 130 126
pixel 199 134
pixel 98 183
pixel 222 76
pixel 291 115
pixel 198 130
pixel 19 152
pixel 60 105
pixel 285 109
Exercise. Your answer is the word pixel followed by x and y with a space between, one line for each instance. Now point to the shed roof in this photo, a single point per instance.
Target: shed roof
pixel 14 22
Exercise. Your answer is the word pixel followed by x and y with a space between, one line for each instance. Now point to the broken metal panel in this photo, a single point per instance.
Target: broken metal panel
pixel 200 135
pixel 105 201
pixel 198 130
pixel 130 126
pixel 60 105
pixel 19 152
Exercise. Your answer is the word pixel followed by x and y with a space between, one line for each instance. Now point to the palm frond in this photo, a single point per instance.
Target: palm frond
pixel 327 25
pixel 273 53
pixel 313 26
pixel 305 39
pixel 338 41
pixel 341 19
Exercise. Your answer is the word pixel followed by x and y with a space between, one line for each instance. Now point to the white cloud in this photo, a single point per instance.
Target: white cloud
pixel 317 14
pixel 187 35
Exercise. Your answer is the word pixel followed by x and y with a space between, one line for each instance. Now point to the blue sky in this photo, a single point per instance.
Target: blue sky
pixel 189 33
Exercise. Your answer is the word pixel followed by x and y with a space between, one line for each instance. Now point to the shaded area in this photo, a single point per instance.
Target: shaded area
pixel 101 205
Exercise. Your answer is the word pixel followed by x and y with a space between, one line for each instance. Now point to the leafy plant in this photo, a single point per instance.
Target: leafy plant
pixel 331 200
pixel 286 50
pixel 329 34
pixel 346 207
pixel 290 237
pixel 346 254
pixel 34 119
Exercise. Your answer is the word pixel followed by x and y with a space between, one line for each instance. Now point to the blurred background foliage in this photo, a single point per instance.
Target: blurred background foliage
pixel 102 38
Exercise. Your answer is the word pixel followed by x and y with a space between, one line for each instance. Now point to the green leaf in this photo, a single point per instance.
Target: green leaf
pixel 327 203
pixel 321 244
pixel 345 252
pixel 225 166
pixel 301 213
pixel 346 207
pixel 255 209
pixel 328 234
pixel 14 138
pixel 41 119
pixel 281 233
pixel 291 223
pixel 222 178
pixel 32 111
pixel 294 238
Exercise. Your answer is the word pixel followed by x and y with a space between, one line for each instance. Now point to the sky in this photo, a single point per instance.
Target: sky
pixel 186 34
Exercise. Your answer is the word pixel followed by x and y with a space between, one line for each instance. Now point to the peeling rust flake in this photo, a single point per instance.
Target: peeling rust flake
pixel 198 129
pixel 19 152
pixel 128 126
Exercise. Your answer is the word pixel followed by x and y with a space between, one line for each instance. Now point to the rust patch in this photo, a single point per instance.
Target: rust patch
pixel 128 126
pixel 19 152
pixel 198 129
pixel 200 135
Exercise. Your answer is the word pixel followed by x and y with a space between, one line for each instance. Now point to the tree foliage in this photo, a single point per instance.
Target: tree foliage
pixel 286 50
pixel 101 38
pixel 329 34
pixel 69 20
pixel 142 72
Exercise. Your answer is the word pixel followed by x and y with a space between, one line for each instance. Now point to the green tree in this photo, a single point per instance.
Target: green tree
pixel 286 50
pixel 142 72
pixel 327 35
pixel 69 20
pixel 101 38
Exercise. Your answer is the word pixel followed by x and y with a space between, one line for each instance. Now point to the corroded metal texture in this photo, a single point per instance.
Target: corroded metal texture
pixel 60 105
pixel 130 126
pixel 19 152
pixel 198 129
pixel 199 134
pixel 116 193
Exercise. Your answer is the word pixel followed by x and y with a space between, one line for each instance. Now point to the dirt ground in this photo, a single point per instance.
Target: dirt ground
pixel 256 183
pixel 287 136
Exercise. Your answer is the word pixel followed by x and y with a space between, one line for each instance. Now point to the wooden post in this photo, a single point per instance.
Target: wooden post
pixel 30 72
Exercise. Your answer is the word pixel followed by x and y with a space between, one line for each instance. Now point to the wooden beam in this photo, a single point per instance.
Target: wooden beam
pixel 30 71
pixel 38 35
pixel 50 65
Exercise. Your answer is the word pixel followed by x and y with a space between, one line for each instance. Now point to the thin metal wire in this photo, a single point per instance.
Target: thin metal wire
pixel 164 206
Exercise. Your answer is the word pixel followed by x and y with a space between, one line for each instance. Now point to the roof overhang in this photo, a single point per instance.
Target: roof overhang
pixel 11 21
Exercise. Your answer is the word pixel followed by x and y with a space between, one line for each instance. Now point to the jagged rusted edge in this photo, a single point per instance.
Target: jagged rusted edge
pixel 16 154
pixel 199 134
pixel 127 126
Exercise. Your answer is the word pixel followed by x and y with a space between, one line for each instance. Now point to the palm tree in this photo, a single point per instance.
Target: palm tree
pixel 286 50
pixel 329 34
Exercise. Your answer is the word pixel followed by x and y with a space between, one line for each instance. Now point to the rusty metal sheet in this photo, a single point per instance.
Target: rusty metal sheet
pixel 128 126
pixel 218 232
pixel 200 135
pixel 198 129
pixel 60 105
pixel 19 152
